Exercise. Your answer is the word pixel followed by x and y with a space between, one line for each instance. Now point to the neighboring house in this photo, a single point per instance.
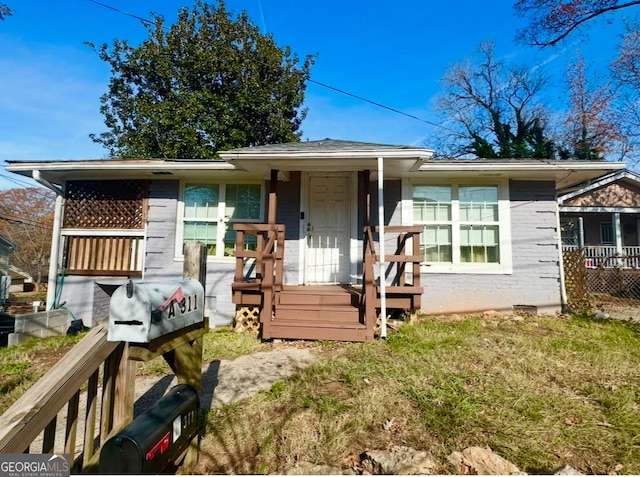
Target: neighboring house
pixel 6 247
pixel 602 216
pixel 475 234
pixel 20 281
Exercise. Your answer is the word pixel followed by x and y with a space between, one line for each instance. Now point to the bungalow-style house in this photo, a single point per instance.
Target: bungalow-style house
pixel 294 231
pixel 602 217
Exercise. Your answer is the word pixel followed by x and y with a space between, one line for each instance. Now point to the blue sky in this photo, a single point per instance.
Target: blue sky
pixel 394 53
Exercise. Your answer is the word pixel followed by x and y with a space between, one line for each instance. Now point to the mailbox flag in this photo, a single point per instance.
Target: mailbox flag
pixel 177 296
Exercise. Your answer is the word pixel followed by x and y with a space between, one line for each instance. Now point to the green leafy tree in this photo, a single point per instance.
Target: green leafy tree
pixel 493 110
pixel 209 82
pixel 5 11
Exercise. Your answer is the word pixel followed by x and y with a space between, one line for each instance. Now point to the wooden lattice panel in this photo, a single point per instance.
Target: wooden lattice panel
pixel 109 204
pixel 247 320
pixel 575 279
pixel 615 285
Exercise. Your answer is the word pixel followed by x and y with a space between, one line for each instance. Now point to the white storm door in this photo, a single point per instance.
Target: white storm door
pixel 328 230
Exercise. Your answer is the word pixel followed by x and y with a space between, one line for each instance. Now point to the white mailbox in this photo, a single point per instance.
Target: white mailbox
pixel 141 312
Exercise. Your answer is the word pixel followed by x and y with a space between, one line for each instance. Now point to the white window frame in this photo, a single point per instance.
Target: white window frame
pixel 223 221
pixel 611 231
pixel 505 265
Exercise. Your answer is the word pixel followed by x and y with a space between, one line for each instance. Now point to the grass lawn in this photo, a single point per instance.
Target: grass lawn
pixel 542 392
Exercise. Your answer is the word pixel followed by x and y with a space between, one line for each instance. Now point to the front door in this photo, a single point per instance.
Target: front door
pixel 328 230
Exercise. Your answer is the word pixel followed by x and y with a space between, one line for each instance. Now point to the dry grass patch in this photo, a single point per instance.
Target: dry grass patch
pixel 542 393
pixel 21 366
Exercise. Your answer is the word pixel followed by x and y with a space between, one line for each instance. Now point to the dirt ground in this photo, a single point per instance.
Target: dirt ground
pixel 228 381
pixel 619 312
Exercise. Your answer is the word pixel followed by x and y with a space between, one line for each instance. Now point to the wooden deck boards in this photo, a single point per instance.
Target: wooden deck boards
pixel 323 312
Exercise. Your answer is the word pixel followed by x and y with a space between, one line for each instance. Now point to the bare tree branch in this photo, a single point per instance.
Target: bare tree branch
pixel 550 21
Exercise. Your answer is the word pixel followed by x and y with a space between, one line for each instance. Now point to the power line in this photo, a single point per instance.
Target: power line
pixel 380 105
pixel 143 20
pixel 324 85
pixel 21 221
pixel 37 187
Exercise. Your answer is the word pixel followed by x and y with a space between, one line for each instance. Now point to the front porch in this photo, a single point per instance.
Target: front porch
pixel 608 256
pixel 324 312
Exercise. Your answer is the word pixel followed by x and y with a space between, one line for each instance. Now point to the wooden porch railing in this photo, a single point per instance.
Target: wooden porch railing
pixel 105 410
pixel 606 256
pixel 70 391
pixel 402 282
pixel 103 255
pixel 261 269
pixel 369 292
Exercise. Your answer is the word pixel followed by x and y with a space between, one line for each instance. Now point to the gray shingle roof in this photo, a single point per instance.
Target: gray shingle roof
pixel 324 145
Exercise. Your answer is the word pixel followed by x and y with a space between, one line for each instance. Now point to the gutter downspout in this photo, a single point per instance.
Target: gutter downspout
pixel 55 239
pixel 38 177
pixel 564 305
pixel 382 264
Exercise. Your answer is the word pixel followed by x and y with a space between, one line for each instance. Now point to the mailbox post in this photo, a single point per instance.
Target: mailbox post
pixel 160 319
pixel 157 438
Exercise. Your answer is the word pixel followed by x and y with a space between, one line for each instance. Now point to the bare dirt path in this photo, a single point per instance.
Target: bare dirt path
pixel 228 381
pixel 223 382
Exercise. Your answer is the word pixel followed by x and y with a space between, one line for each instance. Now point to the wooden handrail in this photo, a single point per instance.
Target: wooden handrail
pixel 107 409
pixel 269 266
pixel 37 409
pixel 399 260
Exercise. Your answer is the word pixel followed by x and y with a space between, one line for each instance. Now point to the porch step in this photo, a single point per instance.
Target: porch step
pixel 318 296
pixel 318 313
pixel 324 331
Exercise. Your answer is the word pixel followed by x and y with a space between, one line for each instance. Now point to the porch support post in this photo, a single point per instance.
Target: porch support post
pixel 54 259
pixel 367 197
pixel 273 196
pixel 617 228
pixel 580 232
pixel 382 263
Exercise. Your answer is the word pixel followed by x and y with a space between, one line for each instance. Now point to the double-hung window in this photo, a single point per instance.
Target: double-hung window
pixel 466 227
pixel 208 212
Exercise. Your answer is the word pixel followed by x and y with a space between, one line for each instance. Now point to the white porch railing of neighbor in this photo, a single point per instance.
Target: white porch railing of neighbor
pixel 606 256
